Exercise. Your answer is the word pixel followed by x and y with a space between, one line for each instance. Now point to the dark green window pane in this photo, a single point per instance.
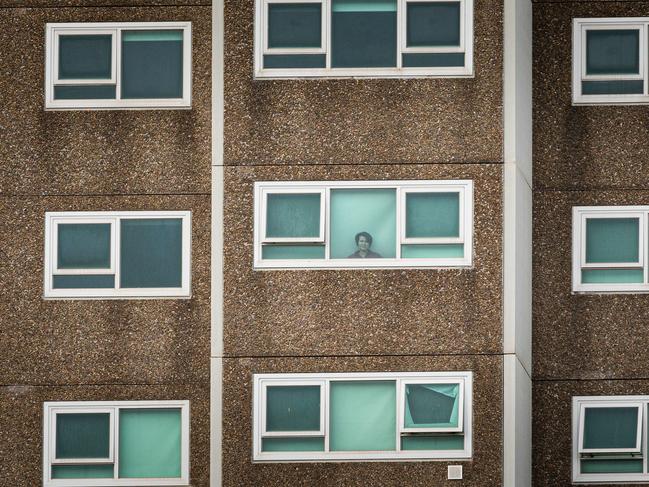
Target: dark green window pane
pixel 292 444
pixel 433 60
pixel 432 251
pixel 152 64
pixel 614 427
pixel 85 56
pixel 84 281
pixel 432 215
pixel 433 24
pixel 151 253
pixel 623 87
pixel 612 276
pixel 294 25
pixel 364 33
pixel 83 246
pixel 83 435
pixel 89 92
pixel 432 405
pixel 82 471
pixel 293 215
pixel 447 442
pixel 293 408
pixel 611 466
pixel 612 240
pixel 275 251
pixel 279 61
pixel 614 51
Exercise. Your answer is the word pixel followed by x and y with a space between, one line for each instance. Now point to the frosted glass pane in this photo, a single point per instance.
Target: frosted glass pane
pixel 362 416
pixel 292 444
pixel 293 408
pixel 353 211
pixel 292 25
pixel 614 51
pixel 614 427
pixel 149 443
pixel 83 246
pixel 85 56
pixel 433 24
pixel 83 281
pixel 612 240
pixel 432 215
pixel 432 405
pixel 82 471
pixel 151 253
pixel 83 435
pixel 293 252
pixel 435 251
pixel 612 276
pixel 449 442
pixel 293 215
pixel 611 466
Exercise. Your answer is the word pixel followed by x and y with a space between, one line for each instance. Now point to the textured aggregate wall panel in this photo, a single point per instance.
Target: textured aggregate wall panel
pixel 363 121
pixel 358 312
pixel 98 341
pixel 484 470
pixel 99 151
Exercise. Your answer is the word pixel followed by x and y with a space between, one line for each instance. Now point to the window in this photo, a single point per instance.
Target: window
pixel 610 251
pixel 609 439
pixel 610 64
pixel 363 224
pixel 129 443
pixel 365 38
pixel 117 254
pixel 118 65
pixel 362 416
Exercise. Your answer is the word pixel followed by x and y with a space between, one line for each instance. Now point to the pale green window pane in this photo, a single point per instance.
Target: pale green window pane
pixel 614 427
pixel 432 251
pixel 151 35
pixel 363 210
pixel 364 6
pixel 149 443
pixel 611 466
pixel 612 276
pixel 432 405
pixel 612 240
pixel 293 252
pixel 432 215
pixel 612 51
pixel 82 471
pixel 362 416
pixel 83 246
pixel 151 252
pixel 448 442
pixel 83 281
pixel 293 408
pixel 85 56
pixel 294 25
pixel 292 444
pixel 83 435
pixel 433 24
pixel 293 215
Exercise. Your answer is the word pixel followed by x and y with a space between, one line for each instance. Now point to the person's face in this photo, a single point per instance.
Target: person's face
pixel 363 243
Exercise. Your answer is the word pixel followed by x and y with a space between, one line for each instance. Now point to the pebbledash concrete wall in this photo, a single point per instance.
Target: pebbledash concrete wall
pixel 97 160
pixel 583 155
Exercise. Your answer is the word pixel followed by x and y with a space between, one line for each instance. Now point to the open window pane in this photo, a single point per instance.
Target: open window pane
pixel 294 25
pixel 85 57
pixel 432 406
pixel 82 471
pixel 293 215
pixel 612 51
pixel 293 408
pixel 82 435
pixel 610 240
pixel 433 24
pixel 83 246
pixel 430 215
pixel 610 427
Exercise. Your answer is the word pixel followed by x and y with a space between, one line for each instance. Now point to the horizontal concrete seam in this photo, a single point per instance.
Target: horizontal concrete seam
pixel 577 379
pixel 414 355
pixel 111 384
pixel 95 195
pixel 364 164
pixel 586 190
pixel 36 7
pixel 587 1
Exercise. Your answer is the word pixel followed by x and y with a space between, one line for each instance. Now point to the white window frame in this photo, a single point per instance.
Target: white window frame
pixel 260 381
pixel 54 30
pixel 306 190
pixel 402 406
pixel 580 215
pixel 580 27
pixel 579 404
pixel 466 46
pixel 53 219
pixel 51 409
pixel 264 384
pixel 463 187
pixel 296 50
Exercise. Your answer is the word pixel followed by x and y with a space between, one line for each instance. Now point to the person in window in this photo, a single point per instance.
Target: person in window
pixel 364 242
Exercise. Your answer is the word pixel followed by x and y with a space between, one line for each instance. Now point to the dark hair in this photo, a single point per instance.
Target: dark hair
pixel 367 236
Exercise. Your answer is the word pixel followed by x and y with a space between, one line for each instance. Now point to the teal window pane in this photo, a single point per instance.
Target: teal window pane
pixel 432 251
pixel 82 435
pixel 83 281
pixel 85 56
pixel 152 64
pixel 612 240
pixel 621 87
pixel 151 252
pixel 292 444
pixel 88 92
pixel 354 211
pixel 285 61
pixel 447 442
pixel 82 471
pixel 149 443
pixel 611 466
pixel 274 251
pixel 433 24
pixel 293 408
pixel 294 25
pixel 430 215
pixel 364 33
pixel 432 405
pixel 614 51
pixel 610 428
pixel 362 416
pixel 612 276
pixel 83 246
pixel 432 59
pixel 293 215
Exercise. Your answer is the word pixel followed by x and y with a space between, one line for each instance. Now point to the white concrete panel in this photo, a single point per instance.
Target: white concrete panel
pixel 517 434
